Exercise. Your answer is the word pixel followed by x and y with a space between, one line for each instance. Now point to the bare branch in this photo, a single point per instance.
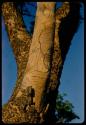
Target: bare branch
pixel 57 56
pixel 18 35
pixel 19 38
pixel 71 13
pixel 40 51
pixel 63 11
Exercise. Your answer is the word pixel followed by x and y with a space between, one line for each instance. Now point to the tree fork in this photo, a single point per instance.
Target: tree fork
pixel 22 40
pixel 46 13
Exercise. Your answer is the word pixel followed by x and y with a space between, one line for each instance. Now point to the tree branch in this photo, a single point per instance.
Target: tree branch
pixel 63 11
pixel 19 38
pixel 40 51
pixel 57 56
pixel 57 62
pixel 67 21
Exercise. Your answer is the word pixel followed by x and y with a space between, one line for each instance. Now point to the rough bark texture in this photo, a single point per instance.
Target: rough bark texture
pixel 39 61
pixel 38 65
pixel 38 72
pixel 57 61
pixel 57 56
pixel 19 38
pixel 67 22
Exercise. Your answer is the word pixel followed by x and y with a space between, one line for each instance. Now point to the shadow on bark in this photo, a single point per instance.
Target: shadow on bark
pixel 68 28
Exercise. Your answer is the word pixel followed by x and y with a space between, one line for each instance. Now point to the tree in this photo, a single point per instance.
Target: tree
pixel 39 57
pixel 64 108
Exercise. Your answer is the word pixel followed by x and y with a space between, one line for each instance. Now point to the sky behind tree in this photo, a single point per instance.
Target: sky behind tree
pixel 72 78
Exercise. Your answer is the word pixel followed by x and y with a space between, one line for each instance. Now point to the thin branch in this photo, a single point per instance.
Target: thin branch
pixel 63 11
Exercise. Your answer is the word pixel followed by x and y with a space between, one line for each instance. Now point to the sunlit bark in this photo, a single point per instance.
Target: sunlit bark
pixel 38 66
pixel 19 38
pixel 39 62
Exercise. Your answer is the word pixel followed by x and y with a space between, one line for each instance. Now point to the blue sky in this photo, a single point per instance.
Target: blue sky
pixel 72 79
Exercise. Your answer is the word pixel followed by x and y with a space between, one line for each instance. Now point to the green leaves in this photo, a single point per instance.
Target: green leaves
pixel 64 110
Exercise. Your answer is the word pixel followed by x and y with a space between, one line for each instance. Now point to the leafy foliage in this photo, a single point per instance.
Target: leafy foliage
pixel 64 110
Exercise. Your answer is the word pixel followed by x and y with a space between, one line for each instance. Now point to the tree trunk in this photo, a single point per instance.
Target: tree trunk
pixel 39 62
pixel 37 66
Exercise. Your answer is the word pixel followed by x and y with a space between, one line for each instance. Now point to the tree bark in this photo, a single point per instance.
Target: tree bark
pixel 38 65
pixel 19 38
pixel 67 13
pixel 39 61
pixel 57 63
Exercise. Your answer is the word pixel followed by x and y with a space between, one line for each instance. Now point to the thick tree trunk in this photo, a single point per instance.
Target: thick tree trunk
pixel 39 62
pixel 38 67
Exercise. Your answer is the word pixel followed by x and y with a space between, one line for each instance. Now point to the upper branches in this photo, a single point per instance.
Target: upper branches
pixel 69 24
pixel 63 11
pixel 67 19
